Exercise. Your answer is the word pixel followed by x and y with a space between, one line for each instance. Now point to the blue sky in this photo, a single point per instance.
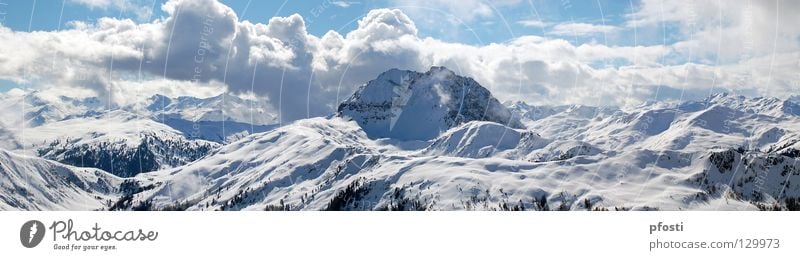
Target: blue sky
pixel 505 23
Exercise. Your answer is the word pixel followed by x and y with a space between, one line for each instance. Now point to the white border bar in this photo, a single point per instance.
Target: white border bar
pixel 407 235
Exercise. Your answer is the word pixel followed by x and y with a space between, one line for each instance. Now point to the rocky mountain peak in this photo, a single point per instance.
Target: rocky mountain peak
pixel 411 105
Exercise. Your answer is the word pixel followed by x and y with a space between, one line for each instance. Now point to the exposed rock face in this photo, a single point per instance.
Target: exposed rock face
pixel 419 106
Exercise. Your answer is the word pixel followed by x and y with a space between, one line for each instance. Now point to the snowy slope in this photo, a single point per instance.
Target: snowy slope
pixel 759 105
pixel 263 166
pixel 751 176
pixel 479 139
pixel 30 183
pixel 118 142
pixel 475 140
pixel 320 164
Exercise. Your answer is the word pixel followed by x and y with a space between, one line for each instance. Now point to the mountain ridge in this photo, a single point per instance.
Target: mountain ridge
pixel 693 155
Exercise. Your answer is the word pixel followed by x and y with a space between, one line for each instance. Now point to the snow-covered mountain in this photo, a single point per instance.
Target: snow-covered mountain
pixel 29 183
pixel 159 133
pixel 223 107
pixel 439 141
pixel 657 156
pixel 36 108
pixel 765 106
pixel 118 142
pixel 220 119
pixel 410 105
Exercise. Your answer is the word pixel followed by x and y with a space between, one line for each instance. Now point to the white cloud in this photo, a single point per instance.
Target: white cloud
pixel 93 3
pixel 709 28
pixel 637 55
pixel 463 11
pixel 344 4
pixel 302 75
pixel 143 9
pixel 533 23
pixel 581 29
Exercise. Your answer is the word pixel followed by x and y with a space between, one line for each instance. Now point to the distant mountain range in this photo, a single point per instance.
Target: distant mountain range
pixel 403 141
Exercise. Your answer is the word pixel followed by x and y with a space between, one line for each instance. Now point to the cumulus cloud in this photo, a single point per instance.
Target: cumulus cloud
pixel 465 10
pixel 203 43
pixel 141 8
pixel 751 45
pixel 581 29
pixel 536 23
pixel 729 30
pixel 344 4
pixel 443 16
